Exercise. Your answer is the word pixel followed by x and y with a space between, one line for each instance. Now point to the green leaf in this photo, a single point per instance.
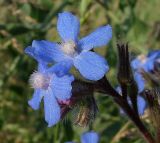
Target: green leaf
pixel 84 5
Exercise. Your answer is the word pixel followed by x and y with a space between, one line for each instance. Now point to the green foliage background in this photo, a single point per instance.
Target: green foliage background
pixel 21 21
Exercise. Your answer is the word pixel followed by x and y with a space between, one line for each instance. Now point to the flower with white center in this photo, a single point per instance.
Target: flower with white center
pixel 146 62
pixel 51 86
pixel 73 51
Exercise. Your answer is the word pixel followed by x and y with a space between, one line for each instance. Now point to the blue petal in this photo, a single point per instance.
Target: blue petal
pixel 154 53
pixel 91 65
pixel 141 103
pixel 68 26
pixel 136 64
pixel 61 68
pixel 140 81
pixel 36 99
pixel 61 86
pixel 45 51
pixel 31 52
pixel 42 67
pixel 100 37
pixel 149 65
pixel 90 137
pixel 51 108
pixel 48 51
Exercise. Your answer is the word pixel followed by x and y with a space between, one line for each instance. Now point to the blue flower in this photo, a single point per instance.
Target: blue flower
pixel 73 51
pixel 146 62
pixel 89 137
pixel 51 84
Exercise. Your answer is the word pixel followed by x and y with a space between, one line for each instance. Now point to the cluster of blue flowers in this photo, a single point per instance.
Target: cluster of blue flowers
pixel 89 137
pixel 53 81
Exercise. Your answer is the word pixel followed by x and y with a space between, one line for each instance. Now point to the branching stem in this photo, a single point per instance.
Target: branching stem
pixel 123 103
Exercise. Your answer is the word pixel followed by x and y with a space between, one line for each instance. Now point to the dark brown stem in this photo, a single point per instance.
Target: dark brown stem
pixel 103 86
pixel 135 119
pixel 123 103
pixel 124 91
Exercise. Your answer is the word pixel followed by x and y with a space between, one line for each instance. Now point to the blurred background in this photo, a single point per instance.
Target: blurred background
pixel 21 21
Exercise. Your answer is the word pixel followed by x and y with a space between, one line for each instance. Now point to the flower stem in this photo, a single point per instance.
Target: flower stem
pixel 135 119
pixel 123 103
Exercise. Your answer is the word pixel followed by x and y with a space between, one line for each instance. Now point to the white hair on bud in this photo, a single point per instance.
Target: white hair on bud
pixel 69 48
pixel 39 80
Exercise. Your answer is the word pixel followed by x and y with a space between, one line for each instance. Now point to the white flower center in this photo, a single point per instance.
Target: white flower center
pixel 39 80
pixel 69 48
pixel 142 58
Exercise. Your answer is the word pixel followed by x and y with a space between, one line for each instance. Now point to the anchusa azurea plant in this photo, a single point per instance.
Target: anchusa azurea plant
pixel 62 92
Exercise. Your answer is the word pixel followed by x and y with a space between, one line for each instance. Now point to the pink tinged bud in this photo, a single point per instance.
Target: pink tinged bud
pixel 64 102
pixel 39 80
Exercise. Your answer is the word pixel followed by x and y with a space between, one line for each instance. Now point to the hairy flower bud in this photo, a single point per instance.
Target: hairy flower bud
pixel 85 112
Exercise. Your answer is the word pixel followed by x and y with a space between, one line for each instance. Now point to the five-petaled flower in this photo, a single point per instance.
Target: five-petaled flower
pixel 51 84
pixel 73 51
